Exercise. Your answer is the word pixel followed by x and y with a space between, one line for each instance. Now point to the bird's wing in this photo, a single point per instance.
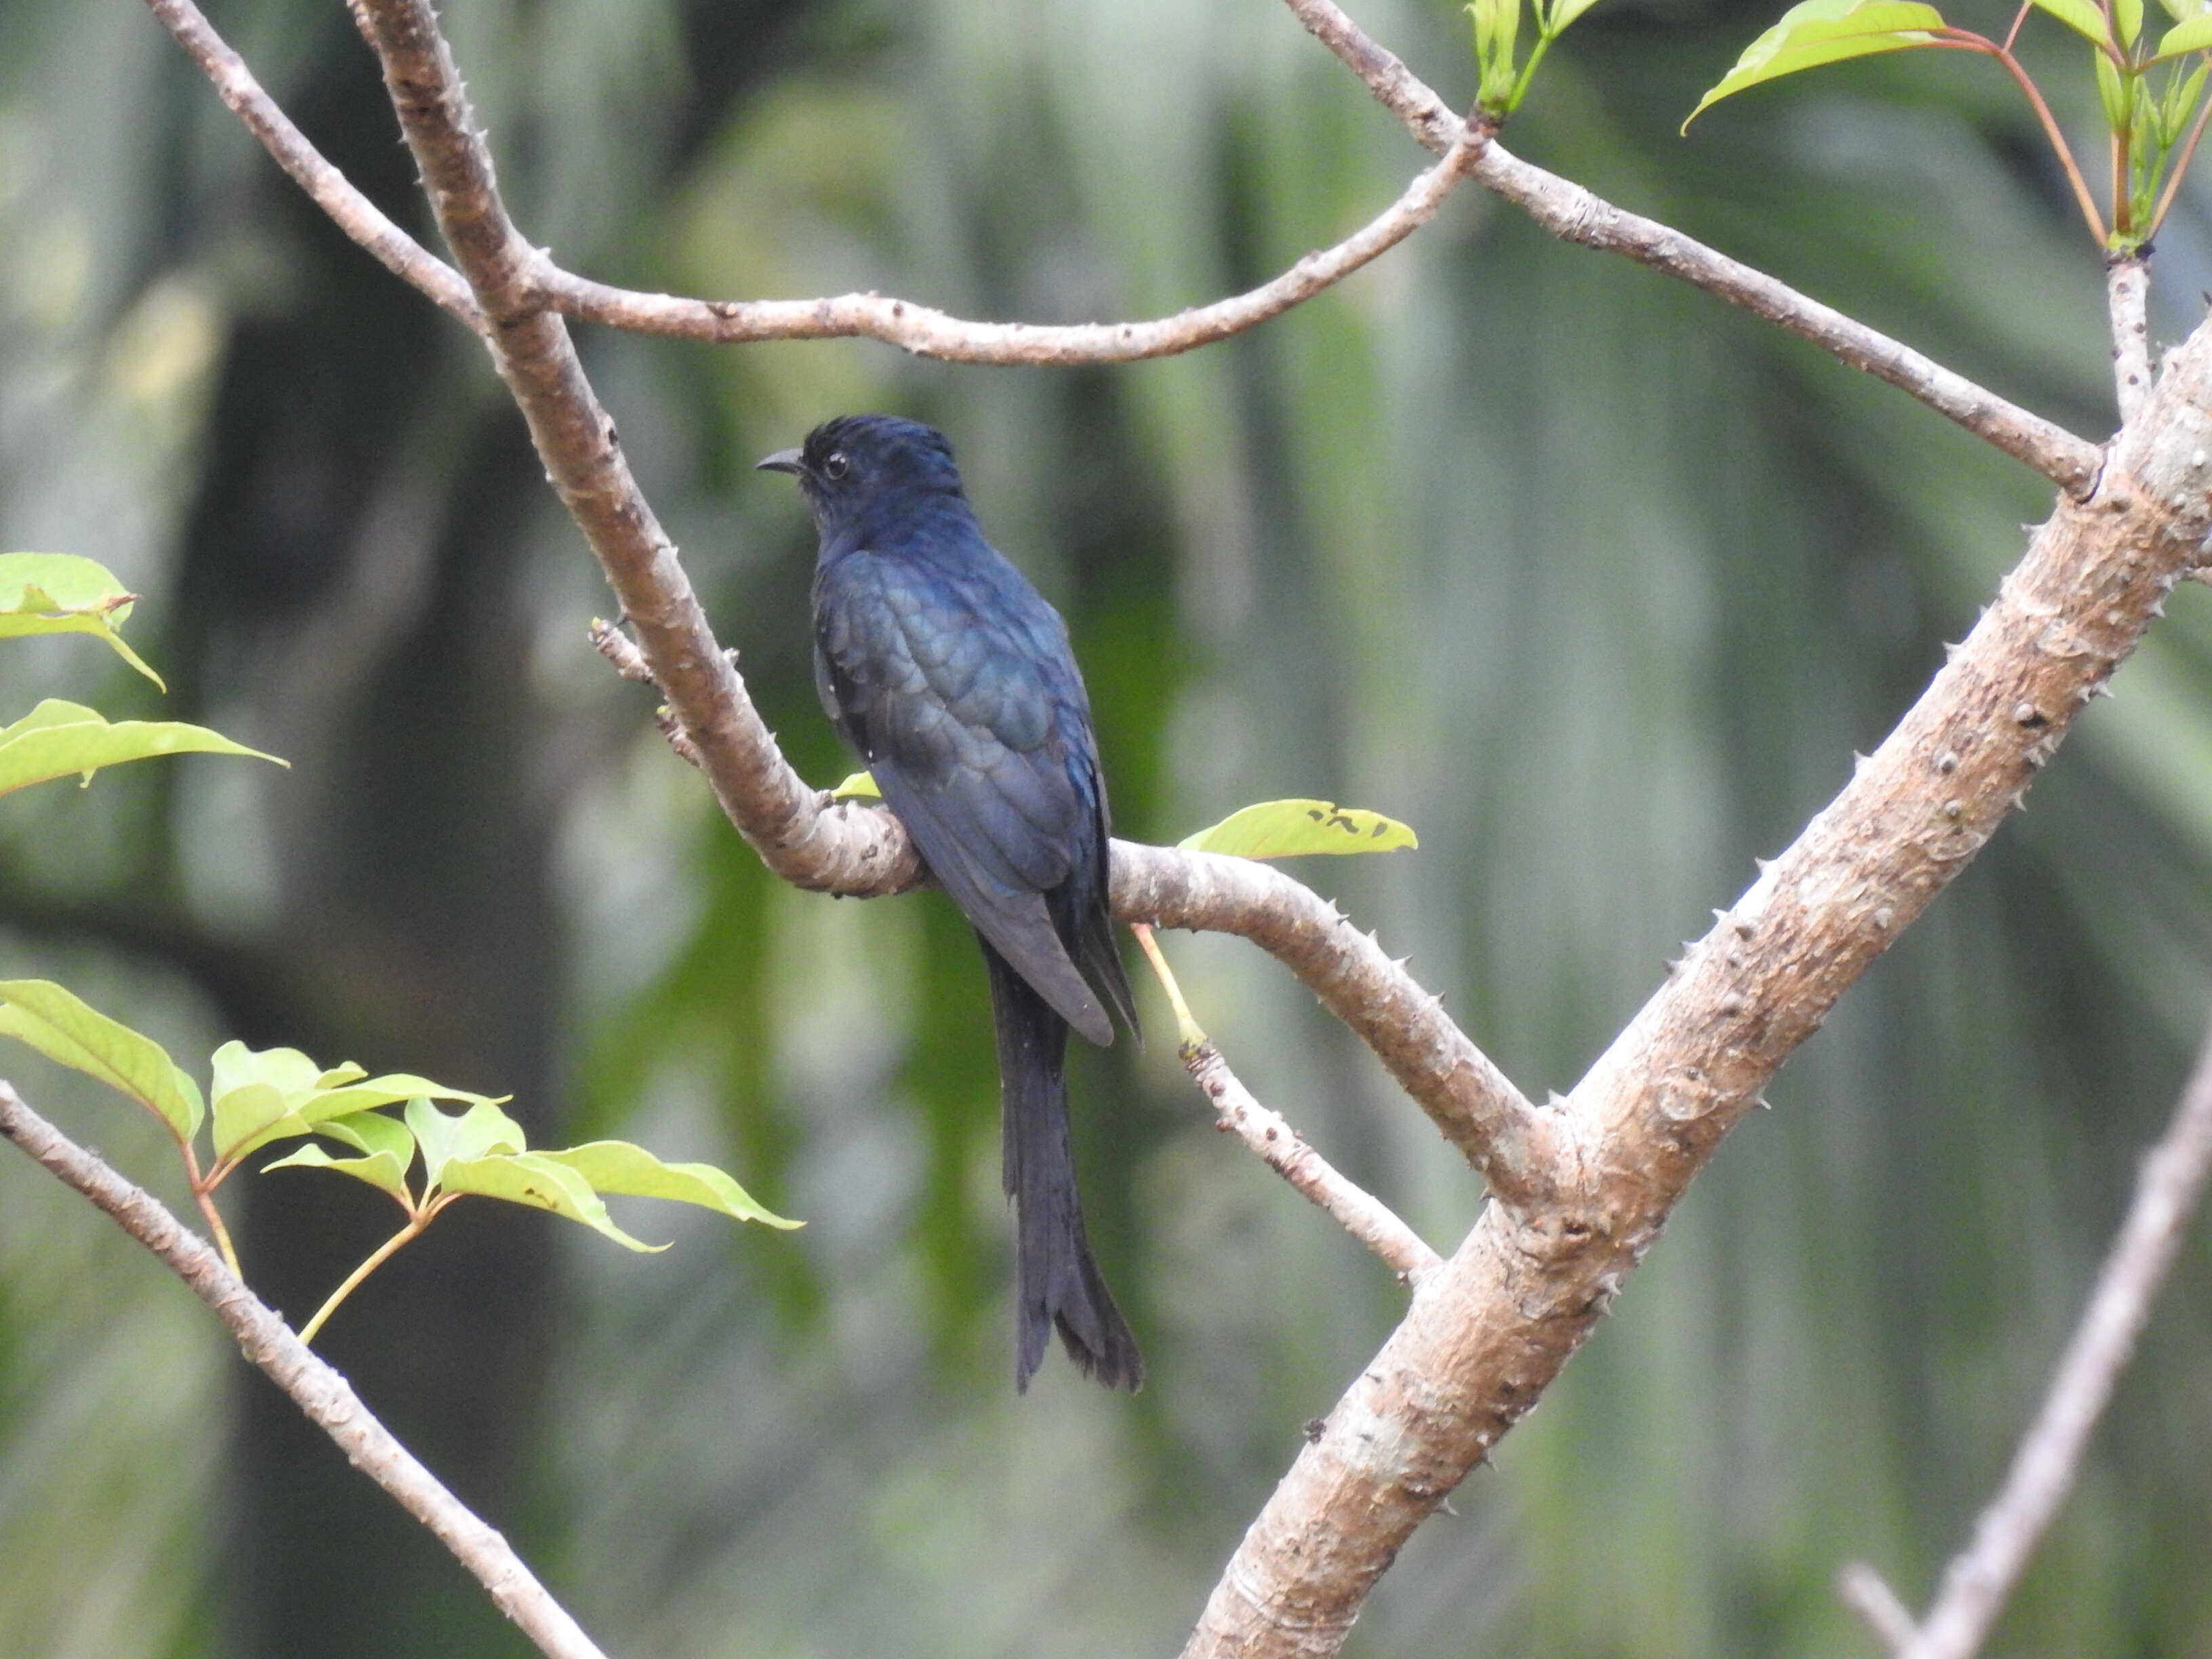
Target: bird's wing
pixel 955 704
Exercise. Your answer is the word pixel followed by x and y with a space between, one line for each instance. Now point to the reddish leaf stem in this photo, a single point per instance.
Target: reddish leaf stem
pixel 1967 40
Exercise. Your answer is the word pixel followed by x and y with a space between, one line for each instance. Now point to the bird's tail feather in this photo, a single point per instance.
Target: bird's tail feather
pixel 1057 1283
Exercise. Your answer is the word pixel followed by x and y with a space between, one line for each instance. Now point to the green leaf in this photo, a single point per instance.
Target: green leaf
pixel 1286 829
pixel 617 1166
pixel 531 1178
pixel 389 1147
pixel 252 1093
pixel 479 1132
pixel 390 1089
pixel 2127 18
pixel 60 739
pixel 1564 12
pixel 381 1170
pixel 1816 31
pixel 2194 35
pixel 2111 92
pixel 2083 18
pixel 2181 96
pixel 1497 31
pixel 276 1093
pixel 62 1028
pixel 62 594
pixel 2182 10
pixel 861 785
pixel 372 1131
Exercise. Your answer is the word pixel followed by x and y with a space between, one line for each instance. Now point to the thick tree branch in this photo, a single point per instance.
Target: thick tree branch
pixel 326 1398
pixel 1979 1582
pixel 1488 1331
pixel 1574 214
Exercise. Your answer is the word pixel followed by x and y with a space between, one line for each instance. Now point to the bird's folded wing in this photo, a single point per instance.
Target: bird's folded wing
pixel 945 708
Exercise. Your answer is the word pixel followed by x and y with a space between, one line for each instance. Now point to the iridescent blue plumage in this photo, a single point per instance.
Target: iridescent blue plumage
pixel 952 679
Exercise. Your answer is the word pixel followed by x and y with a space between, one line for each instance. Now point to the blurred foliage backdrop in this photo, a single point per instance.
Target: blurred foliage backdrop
pixel 1595 582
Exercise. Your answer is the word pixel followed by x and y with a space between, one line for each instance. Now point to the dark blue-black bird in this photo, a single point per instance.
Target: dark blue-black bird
pixel 952 679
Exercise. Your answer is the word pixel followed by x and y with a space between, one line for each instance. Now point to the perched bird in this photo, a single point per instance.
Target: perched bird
pixel 952 679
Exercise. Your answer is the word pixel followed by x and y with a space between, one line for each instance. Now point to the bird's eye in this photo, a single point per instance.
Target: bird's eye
pixel 835 466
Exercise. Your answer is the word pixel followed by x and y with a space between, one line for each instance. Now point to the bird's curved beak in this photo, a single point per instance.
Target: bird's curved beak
pixel 784 461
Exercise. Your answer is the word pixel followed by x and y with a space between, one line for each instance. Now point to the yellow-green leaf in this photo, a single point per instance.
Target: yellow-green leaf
pixel 617 1166
pixel 2127 19
pixel 2194 35
pixel 861 785
pixel 1816 31
pixel 387 1142
pixel 529 1178
pixel 1564 12
pixel 2084 17
pixel 480 1132
pixel 1287 829
pixel 60 739
pixel 62 594
pixel 271 1094
pixel 62 1027
pixel 380 1170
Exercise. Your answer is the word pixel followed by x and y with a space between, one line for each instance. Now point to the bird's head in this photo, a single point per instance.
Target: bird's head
pixel 851 464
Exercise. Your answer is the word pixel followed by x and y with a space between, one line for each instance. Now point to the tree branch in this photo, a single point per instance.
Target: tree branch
pixel 2127 294
pixel 1574 214
pixel 921 330
pixel 326 1398
pixel 931 333
pixel 1979 1582
pixel 1490 1330
pixel 1286 1152
pixel 1868 1594
pixel 1512 1144
pixel 351 211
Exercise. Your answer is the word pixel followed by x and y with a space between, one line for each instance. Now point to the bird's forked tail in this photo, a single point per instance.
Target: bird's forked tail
pixel 1057 1283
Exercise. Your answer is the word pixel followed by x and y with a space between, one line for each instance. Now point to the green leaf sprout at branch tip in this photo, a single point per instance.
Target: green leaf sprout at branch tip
pixel 2154 133
pixel 1502 83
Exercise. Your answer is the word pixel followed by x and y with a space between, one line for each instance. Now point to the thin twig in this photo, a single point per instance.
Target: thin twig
pixel 922 330
pixel 351 211
pixel 1237 1112
pixel 931 333
pixel 326 1398
pixel 1565 210
pixel 1359 1211
pixel 375 1258
pixel 1575 215
pixel 1868 1594
pixel 1978 1581
pixel 2127 294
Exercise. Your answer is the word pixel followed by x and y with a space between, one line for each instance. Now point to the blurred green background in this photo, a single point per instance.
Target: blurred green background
pixel 1595 582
